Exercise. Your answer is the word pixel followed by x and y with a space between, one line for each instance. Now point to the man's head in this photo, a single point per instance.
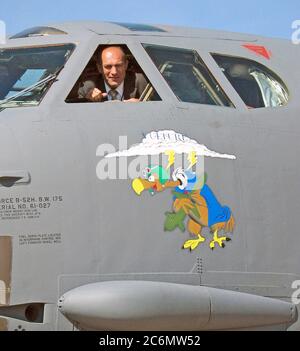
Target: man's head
pixel 113 65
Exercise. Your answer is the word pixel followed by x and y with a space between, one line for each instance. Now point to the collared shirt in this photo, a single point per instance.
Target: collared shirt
pixel 120 90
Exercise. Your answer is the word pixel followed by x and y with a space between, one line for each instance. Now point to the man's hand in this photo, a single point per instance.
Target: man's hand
pixel 95 95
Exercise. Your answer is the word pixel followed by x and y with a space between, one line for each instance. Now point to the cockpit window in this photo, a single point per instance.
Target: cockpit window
pixel 112 74
pixel 139 27
pixel 27 73
pixel 187 75
pixel 38 31
pixel 256 84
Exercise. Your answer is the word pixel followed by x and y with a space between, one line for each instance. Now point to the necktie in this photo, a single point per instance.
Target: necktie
pixel 114 94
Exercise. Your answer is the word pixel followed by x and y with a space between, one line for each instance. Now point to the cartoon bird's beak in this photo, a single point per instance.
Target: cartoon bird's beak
pixel 139 185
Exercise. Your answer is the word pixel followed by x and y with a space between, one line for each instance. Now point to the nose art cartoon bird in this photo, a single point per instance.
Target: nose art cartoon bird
pixel 195 206
pixel 192 199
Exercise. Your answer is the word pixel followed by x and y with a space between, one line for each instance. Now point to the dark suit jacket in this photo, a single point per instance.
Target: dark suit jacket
pixel 134 85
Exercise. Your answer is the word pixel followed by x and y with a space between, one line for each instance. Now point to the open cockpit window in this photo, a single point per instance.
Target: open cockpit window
pixel 112 74
pixel 26 74
pixel 256 84
pixel 187 75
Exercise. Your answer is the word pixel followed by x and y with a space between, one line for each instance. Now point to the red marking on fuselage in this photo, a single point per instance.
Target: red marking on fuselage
pixel 259 50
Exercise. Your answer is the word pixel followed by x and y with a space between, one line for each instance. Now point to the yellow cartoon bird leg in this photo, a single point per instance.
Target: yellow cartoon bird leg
pixel 193 243
pixel 171 157
pixel 192 159
pixel 217 240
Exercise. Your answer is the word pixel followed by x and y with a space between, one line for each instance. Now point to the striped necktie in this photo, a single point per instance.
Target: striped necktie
pixel 114 94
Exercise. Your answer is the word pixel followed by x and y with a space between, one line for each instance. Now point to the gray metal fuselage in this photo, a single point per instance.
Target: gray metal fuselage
pixel 107 233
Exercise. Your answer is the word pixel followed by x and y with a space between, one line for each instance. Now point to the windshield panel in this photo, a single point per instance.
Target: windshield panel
pixel 187 75
pixel 256 84
pixel 24 68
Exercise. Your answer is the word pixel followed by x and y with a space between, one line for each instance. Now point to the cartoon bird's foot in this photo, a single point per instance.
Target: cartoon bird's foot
pixel 217 240
pixel 193 244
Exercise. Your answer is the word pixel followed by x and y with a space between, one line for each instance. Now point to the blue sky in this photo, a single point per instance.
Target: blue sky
pixel 265 17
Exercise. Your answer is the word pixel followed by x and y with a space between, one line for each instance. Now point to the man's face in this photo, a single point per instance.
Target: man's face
pixel 114 66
